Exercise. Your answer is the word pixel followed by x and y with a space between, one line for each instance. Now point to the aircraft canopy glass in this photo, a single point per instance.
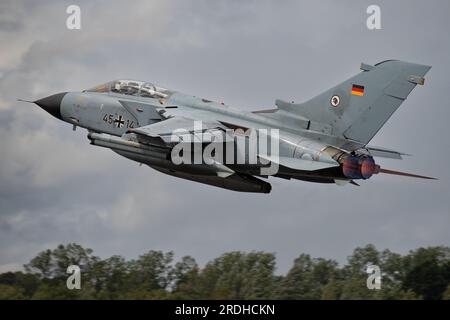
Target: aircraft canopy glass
pixel 132 87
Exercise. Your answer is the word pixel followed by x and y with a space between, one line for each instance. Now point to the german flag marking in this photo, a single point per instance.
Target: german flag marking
pixel 358 90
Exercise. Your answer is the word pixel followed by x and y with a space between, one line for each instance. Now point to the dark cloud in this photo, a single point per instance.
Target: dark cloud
pixel 55 187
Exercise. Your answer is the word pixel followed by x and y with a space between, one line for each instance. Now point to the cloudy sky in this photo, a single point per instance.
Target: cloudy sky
pixel 56 188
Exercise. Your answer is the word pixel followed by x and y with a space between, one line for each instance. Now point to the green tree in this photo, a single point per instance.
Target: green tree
pixel 54 263
pixel 446 294
pixel 308 278
pixel 354 274
pixel 151 271
pixel 332 290
pixel 185 279
pixel 428 272
pixel 9 292
pixel 238 275
pixel 422 273
pixel 26 283
pixel 108 277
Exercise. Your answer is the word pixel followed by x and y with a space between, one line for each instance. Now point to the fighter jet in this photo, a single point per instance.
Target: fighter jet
pixel 322 140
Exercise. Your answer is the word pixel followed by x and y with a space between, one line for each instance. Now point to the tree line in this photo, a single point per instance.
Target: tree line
pixel 423 273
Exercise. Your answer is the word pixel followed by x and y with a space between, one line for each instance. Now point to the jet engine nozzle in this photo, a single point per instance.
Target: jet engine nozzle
pixel 359 167
pixel 368 167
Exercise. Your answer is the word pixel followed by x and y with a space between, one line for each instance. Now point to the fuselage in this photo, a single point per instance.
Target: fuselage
pixel 324 139
pixel 113 110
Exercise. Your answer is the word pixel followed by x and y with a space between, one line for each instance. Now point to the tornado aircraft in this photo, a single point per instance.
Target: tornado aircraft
pixel 323 140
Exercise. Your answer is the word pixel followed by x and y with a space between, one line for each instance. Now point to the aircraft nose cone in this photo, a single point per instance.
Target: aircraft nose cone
pixel 52 104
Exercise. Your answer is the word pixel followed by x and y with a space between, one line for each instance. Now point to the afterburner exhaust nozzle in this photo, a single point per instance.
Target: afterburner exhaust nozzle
pixel 359 167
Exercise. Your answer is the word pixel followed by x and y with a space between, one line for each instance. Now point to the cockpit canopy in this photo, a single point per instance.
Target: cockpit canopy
pixel 133 88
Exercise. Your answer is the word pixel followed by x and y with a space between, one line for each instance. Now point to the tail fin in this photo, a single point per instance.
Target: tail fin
pixel 358 107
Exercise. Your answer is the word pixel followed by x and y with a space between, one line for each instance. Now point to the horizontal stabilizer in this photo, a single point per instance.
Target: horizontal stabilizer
pixel 300 164
pixel 385 153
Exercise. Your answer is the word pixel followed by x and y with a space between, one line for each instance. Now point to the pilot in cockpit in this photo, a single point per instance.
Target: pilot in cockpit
pixel 131 87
